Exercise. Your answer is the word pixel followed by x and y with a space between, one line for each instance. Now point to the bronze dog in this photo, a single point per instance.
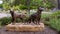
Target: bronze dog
pixel 15 16
pixel 36 16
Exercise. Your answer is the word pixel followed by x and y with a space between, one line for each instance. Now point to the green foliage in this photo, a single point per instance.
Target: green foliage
pixel 54 21
pixel 36 3
pixel 22 7
pixel 57 13
pixel 43 16
pixel 1 6
pixel 49 5
pixel 8 20
pixel 5 21
pixel 24 4
pixel 33 7
pixel 6 6
pixel 15 7
pixel 16 2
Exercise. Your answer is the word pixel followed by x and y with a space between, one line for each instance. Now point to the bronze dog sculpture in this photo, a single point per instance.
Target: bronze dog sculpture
pixel 36 16
pixel 15 16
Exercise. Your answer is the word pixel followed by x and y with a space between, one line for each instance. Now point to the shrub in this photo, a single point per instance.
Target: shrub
pixel 1 6
pixel 8 20
pixel 5 20
pixel 43 16
pixel 6 6
pixel 54 21
pixel 56 14
pixel 33 7
pixel 22 7
pixel 16 7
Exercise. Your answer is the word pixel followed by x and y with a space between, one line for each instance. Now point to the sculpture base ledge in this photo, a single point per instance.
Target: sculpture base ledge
pixel 27 27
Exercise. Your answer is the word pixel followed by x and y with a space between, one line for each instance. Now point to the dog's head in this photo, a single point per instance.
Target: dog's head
pixel 11 11
pixel 40 9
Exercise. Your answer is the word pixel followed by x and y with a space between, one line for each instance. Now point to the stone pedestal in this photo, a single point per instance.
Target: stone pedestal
pixel 25 27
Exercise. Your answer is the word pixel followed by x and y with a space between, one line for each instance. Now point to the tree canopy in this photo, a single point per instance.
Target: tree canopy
pixel 25 4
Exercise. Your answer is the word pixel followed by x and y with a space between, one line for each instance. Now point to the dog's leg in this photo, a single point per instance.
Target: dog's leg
pixel 38 21
pixel 13 20
pixel 34 21
pixel 30 20
pixel 21 19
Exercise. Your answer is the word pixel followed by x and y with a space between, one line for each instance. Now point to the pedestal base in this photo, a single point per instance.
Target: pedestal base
pixel 23 27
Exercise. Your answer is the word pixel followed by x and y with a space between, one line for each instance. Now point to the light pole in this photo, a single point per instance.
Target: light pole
pixel 28 5
pixel 44 2
pixel 59 4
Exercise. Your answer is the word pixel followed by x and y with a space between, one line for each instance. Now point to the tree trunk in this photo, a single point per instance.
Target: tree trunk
pixel 28 5
pixel 59 4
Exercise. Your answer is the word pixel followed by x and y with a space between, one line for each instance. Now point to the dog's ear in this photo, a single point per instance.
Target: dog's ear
pixel 11 9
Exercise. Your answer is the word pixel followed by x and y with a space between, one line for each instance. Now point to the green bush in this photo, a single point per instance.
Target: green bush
pixel 6 6
pixel 55 14
pixel 5 20
pixel 54 21
pixel 16 7
pixel 43 16
pixel 8 20
pixel 33 7
pixel 22 7
pixel 1 5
